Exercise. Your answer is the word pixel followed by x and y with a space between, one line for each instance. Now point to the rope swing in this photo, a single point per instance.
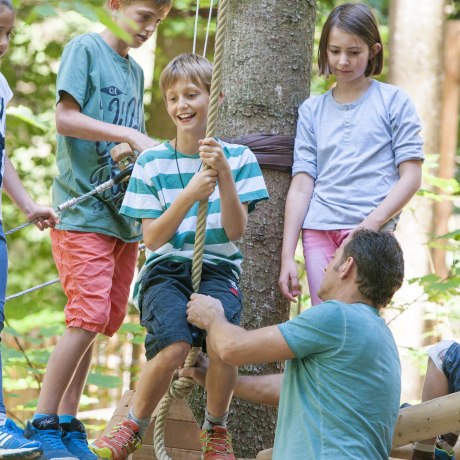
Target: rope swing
pixel 182 387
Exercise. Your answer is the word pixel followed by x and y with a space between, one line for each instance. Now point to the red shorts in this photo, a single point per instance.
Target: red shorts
pixel 96 272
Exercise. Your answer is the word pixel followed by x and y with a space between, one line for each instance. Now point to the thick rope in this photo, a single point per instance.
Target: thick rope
pixel 182 387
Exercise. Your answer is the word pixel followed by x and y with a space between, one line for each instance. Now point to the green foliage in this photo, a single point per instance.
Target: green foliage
pixel 36 320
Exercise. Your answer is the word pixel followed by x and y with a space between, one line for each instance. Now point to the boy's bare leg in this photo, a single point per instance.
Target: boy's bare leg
pixel 220 383
pixel 62 367
pixel 434 386
pixel 156 377
pixel 71 400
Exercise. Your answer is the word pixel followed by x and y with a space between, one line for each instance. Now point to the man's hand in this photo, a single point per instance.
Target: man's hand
pixel 197 372
pixel 202 310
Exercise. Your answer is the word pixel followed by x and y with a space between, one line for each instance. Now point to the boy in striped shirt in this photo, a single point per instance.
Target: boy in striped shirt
pixel 163 193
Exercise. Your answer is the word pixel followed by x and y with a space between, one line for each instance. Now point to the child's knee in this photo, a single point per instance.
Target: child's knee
pixel 174 355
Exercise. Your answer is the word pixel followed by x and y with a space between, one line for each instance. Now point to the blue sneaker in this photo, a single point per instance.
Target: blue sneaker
pixel 441 454
pixel 76 441
pixel 13 444
pixel 48 432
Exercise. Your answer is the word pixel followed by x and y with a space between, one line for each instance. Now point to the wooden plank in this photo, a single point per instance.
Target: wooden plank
pixel 147 453
pixel 427 420
pixel 182 433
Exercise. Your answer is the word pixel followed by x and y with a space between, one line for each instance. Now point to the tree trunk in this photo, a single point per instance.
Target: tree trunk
pixel 268 49
pixel 448 136
pixel 416 32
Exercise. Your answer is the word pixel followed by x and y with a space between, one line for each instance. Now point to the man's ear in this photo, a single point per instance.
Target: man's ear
pixel 346 268
pixel 221 98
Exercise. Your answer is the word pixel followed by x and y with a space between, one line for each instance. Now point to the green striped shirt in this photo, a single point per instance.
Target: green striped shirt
pixel 156 181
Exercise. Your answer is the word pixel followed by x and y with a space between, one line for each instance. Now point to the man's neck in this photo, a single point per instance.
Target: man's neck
pixel 349 295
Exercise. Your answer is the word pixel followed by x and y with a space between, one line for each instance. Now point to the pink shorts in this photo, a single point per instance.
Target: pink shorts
pixel 96 272
pixel 319 247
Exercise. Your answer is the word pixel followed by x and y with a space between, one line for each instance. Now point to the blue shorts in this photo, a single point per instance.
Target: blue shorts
pixel 165 291
pixel 451 367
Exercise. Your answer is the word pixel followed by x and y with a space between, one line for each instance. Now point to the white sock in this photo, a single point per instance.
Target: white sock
pixel 424 447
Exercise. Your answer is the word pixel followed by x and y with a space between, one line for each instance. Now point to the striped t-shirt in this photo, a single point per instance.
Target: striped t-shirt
pixel 160 174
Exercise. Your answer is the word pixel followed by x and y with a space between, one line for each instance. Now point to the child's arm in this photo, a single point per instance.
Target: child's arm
pixel 410 179
pixel 71 122
pixel 297 203
pixel 42 216
pixel 158 232
pixel 234 213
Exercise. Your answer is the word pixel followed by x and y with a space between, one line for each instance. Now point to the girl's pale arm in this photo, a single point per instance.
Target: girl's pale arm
pixel 297 203
pixel 410 179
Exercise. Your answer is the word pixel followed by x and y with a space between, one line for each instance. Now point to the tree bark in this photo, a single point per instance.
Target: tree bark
pixel 416 34
pixel 449 136
pixel 267 63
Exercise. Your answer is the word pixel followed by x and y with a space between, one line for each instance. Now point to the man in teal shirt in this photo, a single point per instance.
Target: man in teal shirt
pixel 340 392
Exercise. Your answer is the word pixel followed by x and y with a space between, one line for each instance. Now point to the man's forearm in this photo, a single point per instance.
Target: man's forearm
pixel 259 389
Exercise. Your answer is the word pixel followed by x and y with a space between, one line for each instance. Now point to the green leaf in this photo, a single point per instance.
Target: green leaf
pixel 103 380
pixel 106 20
pixel 45 11
pixel 24 114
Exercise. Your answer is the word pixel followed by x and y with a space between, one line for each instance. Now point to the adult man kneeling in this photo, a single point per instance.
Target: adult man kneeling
pixel 340 392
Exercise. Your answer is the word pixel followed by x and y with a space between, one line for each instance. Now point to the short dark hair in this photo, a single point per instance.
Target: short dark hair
pixel 380 264
pixel 356 19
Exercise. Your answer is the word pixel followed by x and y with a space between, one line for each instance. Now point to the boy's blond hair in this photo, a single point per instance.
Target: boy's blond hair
pixel 157 4
pixel 187 66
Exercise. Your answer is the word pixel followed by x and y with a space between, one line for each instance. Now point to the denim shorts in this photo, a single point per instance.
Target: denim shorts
pixel 165 291
pixel 451 367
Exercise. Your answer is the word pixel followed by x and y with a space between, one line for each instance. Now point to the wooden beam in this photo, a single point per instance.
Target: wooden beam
pixel 427 420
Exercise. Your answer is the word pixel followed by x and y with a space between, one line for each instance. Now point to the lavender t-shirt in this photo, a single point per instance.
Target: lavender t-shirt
pixel 353 151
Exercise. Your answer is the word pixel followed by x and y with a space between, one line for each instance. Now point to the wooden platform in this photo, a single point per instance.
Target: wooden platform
pixel 182 433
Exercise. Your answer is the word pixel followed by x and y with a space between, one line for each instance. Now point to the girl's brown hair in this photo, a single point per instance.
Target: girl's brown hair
pixel 356 19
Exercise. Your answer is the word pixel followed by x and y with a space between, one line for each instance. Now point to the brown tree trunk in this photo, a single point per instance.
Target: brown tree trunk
pixel 416 33
pixel 266 69
pixel 449 132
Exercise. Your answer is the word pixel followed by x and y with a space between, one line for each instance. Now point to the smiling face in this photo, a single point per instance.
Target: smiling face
pixel 140 19
pixel 7 18
pixel 187 105
pixel 347 55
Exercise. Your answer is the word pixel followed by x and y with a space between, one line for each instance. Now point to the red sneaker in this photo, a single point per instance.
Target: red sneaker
pixel 216 444
pixel 118 443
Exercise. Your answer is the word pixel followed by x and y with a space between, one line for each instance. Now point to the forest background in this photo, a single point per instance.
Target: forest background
pixel 35 320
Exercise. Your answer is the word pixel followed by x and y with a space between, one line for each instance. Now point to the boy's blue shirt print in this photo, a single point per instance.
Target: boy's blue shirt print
pixel 124 114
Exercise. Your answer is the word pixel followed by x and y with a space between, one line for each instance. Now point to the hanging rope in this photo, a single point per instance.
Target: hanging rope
pixel 182 387
pixel 207 28
pixel 195 32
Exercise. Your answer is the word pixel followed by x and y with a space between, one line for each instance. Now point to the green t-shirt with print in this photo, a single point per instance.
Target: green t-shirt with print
pixel 109 88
